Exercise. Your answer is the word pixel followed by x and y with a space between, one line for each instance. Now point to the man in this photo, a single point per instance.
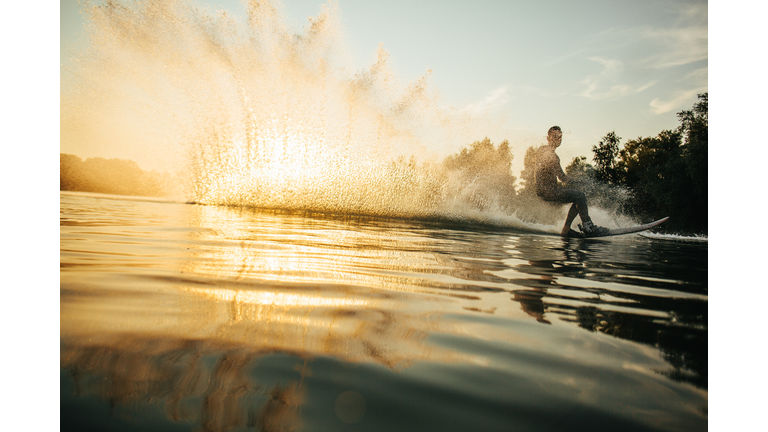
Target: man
pixel 548 171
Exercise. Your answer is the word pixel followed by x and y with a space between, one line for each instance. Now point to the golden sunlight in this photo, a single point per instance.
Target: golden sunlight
pixel 276 299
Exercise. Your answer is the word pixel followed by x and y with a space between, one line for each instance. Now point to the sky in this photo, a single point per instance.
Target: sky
pixel 591 66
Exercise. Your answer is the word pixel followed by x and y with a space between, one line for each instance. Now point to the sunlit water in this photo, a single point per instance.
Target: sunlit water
pixel 215 318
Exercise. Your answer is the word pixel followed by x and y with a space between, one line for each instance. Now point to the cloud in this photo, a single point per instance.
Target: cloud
pixel 612 70
pixel 495 99
pixel 611 67
pixel 677 47
pixel 682 40
pixel 685 42
pixel 679 101
pixel 616 91
pixel 700 75
pixel 563 57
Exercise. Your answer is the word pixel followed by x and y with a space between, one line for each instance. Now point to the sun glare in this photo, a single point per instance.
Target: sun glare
pixel 277 299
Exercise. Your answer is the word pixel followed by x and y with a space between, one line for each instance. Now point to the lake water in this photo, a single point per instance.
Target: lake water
pixel 214 318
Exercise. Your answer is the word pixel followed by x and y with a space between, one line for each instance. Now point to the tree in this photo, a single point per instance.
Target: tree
pixel 694 125
pixel 605 159
pixel 580 169
pixel 482 159
pixel 484 173
pixel 71 176
pixel 112 176
pixel 653 169
pixel 667 174
pixel 528 174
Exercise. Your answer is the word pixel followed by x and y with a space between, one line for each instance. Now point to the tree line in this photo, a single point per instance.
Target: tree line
pixel 110 176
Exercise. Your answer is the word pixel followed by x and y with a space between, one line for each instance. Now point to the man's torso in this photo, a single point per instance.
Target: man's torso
pixel 547 170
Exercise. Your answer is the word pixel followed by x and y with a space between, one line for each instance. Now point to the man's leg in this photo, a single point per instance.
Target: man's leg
pixel 579 206
pixel 580 201
pixel 574 210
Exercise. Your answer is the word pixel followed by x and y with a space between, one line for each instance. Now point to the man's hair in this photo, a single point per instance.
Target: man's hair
pixel 554 128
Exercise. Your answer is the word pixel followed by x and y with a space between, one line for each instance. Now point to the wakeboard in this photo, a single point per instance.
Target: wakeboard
pixel 618 231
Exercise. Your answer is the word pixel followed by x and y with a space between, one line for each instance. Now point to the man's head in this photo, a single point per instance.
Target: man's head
pixel 554 136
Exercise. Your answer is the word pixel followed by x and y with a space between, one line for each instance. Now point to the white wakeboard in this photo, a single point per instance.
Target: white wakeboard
pixel 619 231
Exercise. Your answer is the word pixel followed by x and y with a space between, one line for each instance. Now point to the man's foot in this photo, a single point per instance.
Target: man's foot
pixel 590 230
pixel 572 233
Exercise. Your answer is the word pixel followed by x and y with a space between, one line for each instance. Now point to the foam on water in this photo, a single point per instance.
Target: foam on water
pixel 677 237
pixel 254 113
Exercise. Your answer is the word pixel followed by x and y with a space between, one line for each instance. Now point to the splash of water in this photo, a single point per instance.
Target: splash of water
pixel 252 113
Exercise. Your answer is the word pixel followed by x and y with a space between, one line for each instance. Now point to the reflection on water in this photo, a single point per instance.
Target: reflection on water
pixel 215 318
pixel 192 381
pixel 668 314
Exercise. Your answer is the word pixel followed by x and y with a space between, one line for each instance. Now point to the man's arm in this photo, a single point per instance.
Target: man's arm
pixel 561 175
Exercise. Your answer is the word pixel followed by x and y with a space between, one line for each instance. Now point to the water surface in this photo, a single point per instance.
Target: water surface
pixel 192 317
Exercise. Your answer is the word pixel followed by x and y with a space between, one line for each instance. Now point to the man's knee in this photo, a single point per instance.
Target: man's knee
pixel 574 196
pixel 582 197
